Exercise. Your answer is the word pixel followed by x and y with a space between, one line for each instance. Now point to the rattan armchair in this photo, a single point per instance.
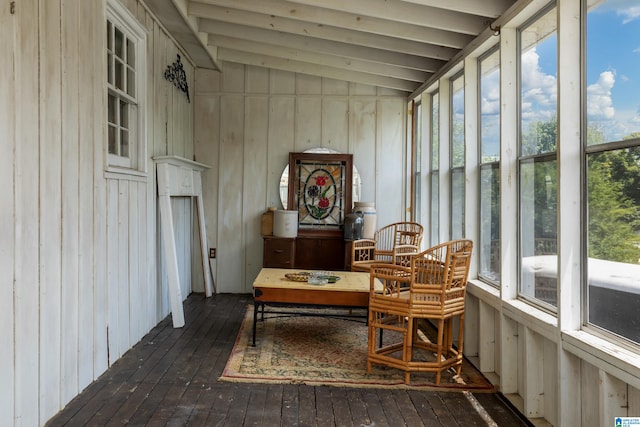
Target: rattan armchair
pixel 393 244
pixel 432 288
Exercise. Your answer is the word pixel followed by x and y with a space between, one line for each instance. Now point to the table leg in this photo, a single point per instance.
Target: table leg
pixel 255 321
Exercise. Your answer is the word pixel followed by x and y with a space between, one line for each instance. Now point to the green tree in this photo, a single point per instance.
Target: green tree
pixel 540 138
pixel 613 215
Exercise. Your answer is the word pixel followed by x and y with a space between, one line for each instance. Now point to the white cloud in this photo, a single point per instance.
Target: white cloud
pixel 540 90
pixel 630 14
pixel 490 102
pixel 629 10
pixel 599 102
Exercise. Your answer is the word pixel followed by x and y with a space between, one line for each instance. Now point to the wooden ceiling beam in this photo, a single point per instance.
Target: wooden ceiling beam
pixel 338 62
pixel 315 70
pixel 322 16
pixel 327 32
pixel 405 13
pixel 488 8
pixel 317 45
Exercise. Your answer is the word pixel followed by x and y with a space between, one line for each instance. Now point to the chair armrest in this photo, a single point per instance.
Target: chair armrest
pixel 393 277
pixel 364 243
pixel 363 251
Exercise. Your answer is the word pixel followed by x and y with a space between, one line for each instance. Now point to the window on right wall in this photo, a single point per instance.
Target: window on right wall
pixel 489 187
pixel 612 164
pixel 457 157
pixel 537 164
pixel 434 148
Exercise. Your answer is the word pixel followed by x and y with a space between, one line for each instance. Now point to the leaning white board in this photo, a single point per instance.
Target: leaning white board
pixel 180 177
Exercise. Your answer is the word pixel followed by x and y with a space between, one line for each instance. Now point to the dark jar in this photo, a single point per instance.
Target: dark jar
pixel 353 225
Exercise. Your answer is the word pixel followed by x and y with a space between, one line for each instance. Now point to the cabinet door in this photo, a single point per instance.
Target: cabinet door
pixel 278 252
pixel 320 253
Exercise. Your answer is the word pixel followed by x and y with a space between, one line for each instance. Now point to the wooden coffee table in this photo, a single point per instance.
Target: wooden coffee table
pixel 271 287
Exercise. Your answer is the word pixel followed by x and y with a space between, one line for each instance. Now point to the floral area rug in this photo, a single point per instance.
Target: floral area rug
pixel 316 350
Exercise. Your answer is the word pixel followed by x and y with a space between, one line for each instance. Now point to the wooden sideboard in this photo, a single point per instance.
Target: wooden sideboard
pixel 307 252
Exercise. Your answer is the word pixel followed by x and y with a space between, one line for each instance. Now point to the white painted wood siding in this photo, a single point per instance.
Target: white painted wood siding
pixel 250 118
pixel 81 268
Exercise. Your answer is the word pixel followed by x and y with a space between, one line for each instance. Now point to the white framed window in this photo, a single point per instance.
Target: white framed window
pixel 457 153
pixel 612 165
pixel 126 68
pixel 434 147
pixel 538 169
pixel 416 150
pixel 489 144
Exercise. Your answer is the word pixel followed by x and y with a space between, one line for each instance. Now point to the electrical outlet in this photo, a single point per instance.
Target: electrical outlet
pixel 212 252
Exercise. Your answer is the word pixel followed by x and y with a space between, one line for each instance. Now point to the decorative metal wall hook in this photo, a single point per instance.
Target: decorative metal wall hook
pixel 496 29
pixel 175 74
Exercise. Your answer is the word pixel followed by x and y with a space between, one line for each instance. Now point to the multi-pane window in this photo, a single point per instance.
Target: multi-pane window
pixel 124 69
pixel 417 161
pixel 434 225
pixel 489 139
pixel 613 167
pixel 457 157
pixel 538 176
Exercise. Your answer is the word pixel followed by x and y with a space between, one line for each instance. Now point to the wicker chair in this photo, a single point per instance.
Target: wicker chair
pixel 432 288
pixel 394 244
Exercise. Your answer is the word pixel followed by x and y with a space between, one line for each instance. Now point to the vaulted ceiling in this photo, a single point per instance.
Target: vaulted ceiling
pixel 397 44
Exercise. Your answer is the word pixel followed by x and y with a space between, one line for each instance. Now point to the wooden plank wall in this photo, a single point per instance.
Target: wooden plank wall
pixel 8 27
pixel 81 265
pixel 248 119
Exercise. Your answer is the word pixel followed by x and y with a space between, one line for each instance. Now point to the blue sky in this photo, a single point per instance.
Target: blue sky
pixel 613 67
pixel 613 73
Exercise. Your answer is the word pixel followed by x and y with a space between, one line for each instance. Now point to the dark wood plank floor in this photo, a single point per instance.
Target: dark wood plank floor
pixel 170 379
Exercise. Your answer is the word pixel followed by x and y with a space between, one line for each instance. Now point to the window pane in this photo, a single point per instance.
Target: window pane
pixel 538 96
pixel 435 132
pixel 538 229
pixel 489 247
pixel 457 203
pixel 131 54
pixel 111 110
pixel 417 162
pixel 435 211
pixel 124 143
pixel 124 115
pixel 613 79
pixel 131 82
pixel 538 176
pixel 457 122
pixel 490 222
pixel 490 108
pixel 119 43
pixel 109 31
pixel 109 68
pixel 613 181
pixel 112 140
pixel 119 75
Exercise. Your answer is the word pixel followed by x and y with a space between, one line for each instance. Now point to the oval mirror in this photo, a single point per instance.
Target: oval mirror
pixel 284 178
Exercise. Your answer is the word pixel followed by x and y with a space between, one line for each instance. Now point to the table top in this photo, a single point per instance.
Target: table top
pixel 350 281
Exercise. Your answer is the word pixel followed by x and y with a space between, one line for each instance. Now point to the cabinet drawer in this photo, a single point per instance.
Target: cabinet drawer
pixel 278 252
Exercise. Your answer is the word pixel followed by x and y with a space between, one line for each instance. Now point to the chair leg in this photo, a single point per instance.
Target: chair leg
pixel 460 343
pixel 440 346
pixel 407 347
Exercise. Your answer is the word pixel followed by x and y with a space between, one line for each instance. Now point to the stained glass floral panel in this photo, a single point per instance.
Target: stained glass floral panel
pixel 320 189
